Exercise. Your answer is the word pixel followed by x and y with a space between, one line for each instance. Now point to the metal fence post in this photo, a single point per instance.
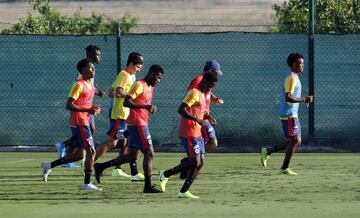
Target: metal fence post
pixel 311 67
pixel 118 48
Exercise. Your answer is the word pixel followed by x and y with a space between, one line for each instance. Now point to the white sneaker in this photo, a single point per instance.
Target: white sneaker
pixel 91 187
pixel 46 166
pixel 137 177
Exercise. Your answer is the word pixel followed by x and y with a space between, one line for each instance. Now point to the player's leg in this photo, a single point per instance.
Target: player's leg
pixel 130 157
pixel 114 134
pixel 295 141
pixel 88 145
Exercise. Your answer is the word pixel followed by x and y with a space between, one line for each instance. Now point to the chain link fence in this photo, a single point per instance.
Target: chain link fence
pixel 38 71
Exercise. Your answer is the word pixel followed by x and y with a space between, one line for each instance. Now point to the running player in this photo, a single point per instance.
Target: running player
pixel 291 97
pixel 192 111
pixel 139 101
pixel 118 129
pixel 80 104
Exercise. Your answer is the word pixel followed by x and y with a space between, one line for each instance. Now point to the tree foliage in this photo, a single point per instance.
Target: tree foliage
pixel 51 22
pixel 331 16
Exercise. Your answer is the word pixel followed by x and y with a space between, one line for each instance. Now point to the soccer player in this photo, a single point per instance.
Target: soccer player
pixel 118 129
pixel 93 55
pixel 139 101
pixel 291 97
pixel 80 104
pixel 192 110
pixel 208 131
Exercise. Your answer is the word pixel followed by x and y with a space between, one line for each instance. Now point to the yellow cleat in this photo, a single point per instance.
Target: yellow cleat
pixel 287 171
pixel 137 177
pixel 162 180
pixel 187 195
pixel 120 172
pixel 264 156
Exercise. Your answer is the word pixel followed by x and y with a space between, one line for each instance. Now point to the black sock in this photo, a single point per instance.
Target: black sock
pixel 133 168
pixel 148 184
pixel 186 186
pixel 107 164
pixel 171 172
pixel 87 176
pixel 272 149
pixel 58 162
pixel 285 164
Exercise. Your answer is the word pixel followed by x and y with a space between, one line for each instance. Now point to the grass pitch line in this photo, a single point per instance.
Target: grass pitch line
pixel 18 161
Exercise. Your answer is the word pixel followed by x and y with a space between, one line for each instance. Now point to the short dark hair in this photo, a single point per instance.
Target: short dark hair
pixel 135 58
pixel 156 68
pixel 211 77
pixel 92 48
pixel 81 64
pixel 293 57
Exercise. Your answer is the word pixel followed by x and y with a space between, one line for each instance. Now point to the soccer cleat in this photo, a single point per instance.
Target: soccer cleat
pixel 162 180
pixel 98 172
pixel 70 165
pixel 137 177
pixel 152 190
pixel 264 156
pixel 120 172
pixel 46 166
pixel 187 195
pixel 91 187
pixel 287 171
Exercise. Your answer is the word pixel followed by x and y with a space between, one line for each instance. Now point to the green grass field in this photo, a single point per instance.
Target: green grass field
pixel 230 185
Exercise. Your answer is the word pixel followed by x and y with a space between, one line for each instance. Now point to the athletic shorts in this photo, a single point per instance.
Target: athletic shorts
pixel 208 132
pixel 92 119
pixel 193 146
pixel 140 137
pixel 117 129
pixel 291 127
pixel 82 137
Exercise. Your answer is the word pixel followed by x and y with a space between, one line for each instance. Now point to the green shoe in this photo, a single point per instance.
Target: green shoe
pixel 137 177
pixel 287 171
pixel 162 180
pixel 264 156
pixel 120 172
pixel 187 195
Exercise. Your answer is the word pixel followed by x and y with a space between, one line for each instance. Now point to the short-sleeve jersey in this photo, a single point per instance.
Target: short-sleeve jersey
pixel 195 83
pixel 141 93
pixel 195 100
pixel 123 80
pixel 292 85
pixel 83 95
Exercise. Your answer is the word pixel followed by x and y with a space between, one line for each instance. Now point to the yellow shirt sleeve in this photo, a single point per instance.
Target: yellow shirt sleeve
pixel 76 90
pixel 192 97
pixel 290 84
pixel 121 80
pixel 136 90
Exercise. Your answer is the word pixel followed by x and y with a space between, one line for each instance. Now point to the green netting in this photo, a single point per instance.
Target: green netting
pixel 37 73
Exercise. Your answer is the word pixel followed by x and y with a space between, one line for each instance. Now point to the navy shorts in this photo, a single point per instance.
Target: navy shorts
pixel 140 137
pixel 82 137
pixel 117 129
pixel 208 132
pixel 193 146
pixel 291 127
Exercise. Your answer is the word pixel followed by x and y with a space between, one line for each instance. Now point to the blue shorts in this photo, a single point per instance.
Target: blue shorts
pixel 140 137
pixel 291 127
pixel 117 129
pixel 92 119
pixel 82 137
pixel 208 132
pixel 193 146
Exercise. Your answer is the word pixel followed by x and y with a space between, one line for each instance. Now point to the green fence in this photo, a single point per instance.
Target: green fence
pixel 38 71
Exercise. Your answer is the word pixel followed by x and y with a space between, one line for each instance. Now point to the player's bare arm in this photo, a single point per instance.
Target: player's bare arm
pixel 120 92
pixel 184 111
pixel 292 99
pixel 216 100
pixel 129 102
pixel 95 109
